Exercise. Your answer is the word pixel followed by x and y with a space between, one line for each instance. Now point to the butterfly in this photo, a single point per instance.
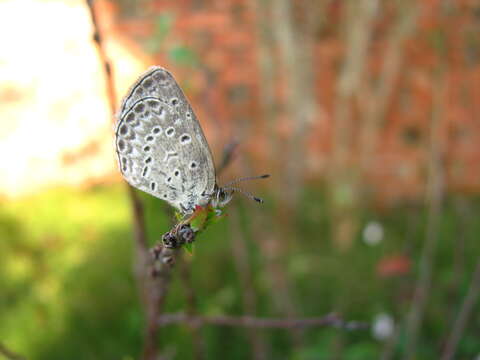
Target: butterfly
pixel 161 147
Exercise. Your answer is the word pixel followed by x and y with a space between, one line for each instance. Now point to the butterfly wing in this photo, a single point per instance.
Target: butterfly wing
pixel 160 145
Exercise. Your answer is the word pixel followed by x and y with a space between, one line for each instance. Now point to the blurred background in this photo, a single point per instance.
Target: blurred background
pixel 365 112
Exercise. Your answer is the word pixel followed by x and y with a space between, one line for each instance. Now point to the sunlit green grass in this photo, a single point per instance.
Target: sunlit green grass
pixel 63 252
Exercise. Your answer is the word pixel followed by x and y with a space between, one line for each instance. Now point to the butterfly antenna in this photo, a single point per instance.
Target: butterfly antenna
pixel 246 193
pixel 236 181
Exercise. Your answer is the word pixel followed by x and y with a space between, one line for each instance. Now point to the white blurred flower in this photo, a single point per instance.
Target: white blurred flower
pixel 373 233
pixel 383 326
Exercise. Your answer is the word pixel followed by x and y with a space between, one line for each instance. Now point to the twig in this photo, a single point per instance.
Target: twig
pixel 268 71
pixel 360 18
pixel 244 271
pixel 332 320
pixel 377 100
pixel 273 249
pixel 296 51
pixel 198 340
pixel 227 156
pixel 388 350
pixel 9 354
pixel 275 25
pixel 152 289
pixel 463 315
pixel 435 197
pixel 98 39
pixel 463 227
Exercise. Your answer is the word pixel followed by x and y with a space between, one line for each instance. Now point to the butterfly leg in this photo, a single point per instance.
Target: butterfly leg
pixel 180 235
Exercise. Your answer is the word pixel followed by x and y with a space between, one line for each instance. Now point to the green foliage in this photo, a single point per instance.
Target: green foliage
pixel 162 27
pixel 183 55
pixel 177 51
pixel 203 217
pixel 67 289
pixel 199 221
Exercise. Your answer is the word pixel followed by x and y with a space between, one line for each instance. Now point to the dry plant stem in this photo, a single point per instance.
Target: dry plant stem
pixel 412 226
pixel 463 213
pixel 152 290
pixel 243 268
pixel 330 320
pixel 296 50
pixel 388 350
pixel 343 177
pixel 435 192
pixel 377 99
pixel 464 315
pixel 275 272
pixel 227 156
pixel 98 38
pixel 359 20
pixel 198 340
pixel 272 250
pixel 267 71
pixel 337 347
pixel 295 47
pixel 271 246
pixel 9 354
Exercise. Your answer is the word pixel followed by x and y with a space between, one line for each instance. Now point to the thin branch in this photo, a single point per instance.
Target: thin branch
pixel 9 354
pixel 377 100
pixel 98 39
pixel 198 341
pixel 332 320
pixel 268 71
pixel 435 192
pixel 295 48
pixel 455 288
pixel 152 290
pixel 359 26
pixel 388 350
pixel 464 315
pixel 273 249
pixel 227 156
pixel 249 293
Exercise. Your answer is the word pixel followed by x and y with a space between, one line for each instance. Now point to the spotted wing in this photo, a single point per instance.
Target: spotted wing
pixel 160 145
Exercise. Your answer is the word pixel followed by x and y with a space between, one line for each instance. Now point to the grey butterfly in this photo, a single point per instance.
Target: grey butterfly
pixel 161 147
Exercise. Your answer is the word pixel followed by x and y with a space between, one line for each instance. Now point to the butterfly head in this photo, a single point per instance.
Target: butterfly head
pixel 223 195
